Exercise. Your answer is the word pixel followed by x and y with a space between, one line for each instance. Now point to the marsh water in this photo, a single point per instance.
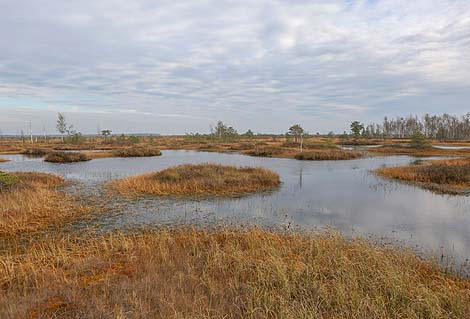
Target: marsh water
pixel 343 195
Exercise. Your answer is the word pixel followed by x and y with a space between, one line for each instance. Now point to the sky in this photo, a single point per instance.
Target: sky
pixel 176 67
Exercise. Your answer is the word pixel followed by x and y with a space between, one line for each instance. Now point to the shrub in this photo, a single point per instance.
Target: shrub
pixel 7 180
pixel 418 140
pixel 66 157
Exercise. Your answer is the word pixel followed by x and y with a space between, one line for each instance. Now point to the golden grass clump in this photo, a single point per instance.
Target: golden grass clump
pixel 3 160
pixel 137 152
pixel 198 179
pixel 66 157
pixel 31 202
pixel 328 155
pixel 187 273
pixel 269 151
pixel 447 176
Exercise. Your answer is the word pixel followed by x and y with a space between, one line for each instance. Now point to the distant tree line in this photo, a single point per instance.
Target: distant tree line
pixel 443 126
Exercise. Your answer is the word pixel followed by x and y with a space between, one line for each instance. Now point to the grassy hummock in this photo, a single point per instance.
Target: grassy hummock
pixel 444 176
pixel 199 179
pixel 66 157
pixel 328 155
pixel 137 152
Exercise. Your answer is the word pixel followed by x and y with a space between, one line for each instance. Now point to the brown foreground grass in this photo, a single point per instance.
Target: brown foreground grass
pixel 32 202
pixel 66 157
pixel 198 179
pixel 446 176
pixel 187 273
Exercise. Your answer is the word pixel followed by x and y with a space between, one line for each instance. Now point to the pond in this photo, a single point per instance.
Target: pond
pixel 343 195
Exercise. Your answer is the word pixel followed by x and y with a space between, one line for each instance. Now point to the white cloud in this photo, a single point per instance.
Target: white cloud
pixel 205 59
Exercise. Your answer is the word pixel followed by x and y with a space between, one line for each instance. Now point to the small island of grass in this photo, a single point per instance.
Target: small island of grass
pixel 137 152
pixel 328 155
pixel 66 157
pixel 198 179
pixel 443 176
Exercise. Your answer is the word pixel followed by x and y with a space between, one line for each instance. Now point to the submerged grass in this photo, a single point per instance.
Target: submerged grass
pixel 66 157
pixel 31 202
pixel 186 273
pixel 447 176
pixel 198 179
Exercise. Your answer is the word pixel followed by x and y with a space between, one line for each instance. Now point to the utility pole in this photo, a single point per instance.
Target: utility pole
pixel 31 132
pixel 44 132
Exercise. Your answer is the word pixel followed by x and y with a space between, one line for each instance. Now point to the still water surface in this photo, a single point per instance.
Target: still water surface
pixel 339 194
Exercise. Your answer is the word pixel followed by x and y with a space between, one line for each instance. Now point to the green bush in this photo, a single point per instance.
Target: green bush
pixel 7 180
pixel 418 140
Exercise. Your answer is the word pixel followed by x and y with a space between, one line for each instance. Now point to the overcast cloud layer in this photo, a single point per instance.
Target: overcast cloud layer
pixel 178 66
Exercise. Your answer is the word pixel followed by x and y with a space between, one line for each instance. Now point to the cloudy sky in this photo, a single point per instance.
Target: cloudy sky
pixel 178 66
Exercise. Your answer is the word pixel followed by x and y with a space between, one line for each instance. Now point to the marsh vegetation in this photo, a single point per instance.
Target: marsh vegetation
pixel 51 270
pixel 198 179
pixel 66 157
pixel 446 176
pixel 226 273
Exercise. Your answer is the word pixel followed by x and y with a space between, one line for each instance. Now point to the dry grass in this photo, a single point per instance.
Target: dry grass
pixel 66 157
pixel 32 202
pixel 200 179
pixel 137 152
pixel 447 176
pixel 223 274
pixel 328 155
pixel 418 152
pixel 272 151
pixel 3 160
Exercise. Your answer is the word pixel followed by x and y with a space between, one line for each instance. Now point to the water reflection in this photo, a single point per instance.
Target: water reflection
pixel 341 194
